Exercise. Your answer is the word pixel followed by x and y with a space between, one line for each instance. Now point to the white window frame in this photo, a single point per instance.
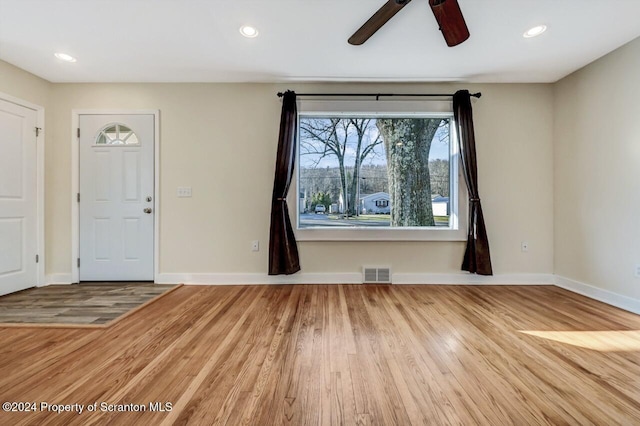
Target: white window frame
pixel 457 229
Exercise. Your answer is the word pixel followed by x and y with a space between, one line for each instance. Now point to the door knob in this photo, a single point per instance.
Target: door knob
pixel 147 210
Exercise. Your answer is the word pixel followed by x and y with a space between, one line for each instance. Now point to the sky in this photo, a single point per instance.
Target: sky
pixel 439 150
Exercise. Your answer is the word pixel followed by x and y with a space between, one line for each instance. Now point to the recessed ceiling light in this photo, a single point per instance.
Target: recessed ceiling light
pixel 65 57
pixel 535 31
pixel 248 31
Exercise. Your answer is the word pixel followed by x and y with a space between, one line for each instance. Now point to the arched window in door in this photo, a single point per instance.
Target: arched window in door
pixel 117 134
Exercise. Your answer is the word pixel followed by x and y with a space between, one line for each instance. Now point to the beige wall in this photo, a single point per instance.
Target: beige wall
pixel 21 84
pixel 597 173
pixel 557 168
pixel 221 139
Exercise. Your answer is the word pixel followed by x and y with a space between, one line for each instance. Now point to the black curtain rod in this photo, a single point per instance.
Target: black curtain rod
pixel 378 95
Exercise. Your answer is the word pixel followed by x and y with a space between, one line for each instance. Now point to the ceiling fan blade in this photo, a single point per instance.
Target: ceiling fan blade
pixel 451 22
pixel 386 12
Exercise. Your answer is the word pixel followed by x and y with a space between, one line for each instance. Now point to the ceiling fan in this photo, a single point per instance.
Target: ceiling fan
pixel 447 13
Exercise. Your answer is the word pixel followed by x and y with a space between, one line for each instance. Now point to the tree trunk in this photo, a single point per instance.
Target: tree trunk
pixel 343 187
pixel 353 194
pixel 407 143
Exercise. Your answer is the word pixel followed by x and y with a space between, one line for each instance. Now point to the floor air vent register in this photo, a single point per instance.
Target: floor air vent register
pixel 376 275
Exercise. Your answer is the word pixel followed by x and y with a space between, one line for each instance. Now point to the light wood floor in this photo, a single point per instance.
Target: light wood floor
pixel 349 354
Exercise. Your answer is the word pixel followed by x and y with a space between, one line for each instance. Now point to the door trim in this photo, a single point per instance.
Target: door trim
pixel 75 183
pixel 40 189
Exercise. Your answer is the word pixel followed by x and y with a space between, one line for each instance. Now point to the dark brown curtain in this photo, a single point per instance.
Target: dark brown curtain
pixel 476 258
pixel 283 250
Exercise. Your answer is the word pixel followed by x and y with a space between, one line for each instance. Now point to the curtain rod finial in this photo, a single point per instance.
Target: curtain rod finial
pixel 477 95
pixel 281 94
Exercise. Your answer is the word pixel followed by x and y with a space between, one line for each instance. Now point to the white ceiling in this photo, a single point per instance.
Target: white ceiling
pixel 306 40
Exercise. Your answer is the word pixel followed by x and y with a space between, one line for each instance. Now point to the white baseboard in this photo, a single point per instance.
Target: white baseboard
pixel 464 278
pixel 606 296
pixel 257 278
pixel 353 278
pixel 58 279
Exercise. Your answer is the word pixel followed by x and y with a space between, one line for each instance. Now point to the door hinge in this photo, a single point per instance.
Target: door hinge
pixel 38 131
pixel 78 132
pixel 78 262
pixel 78 197
pixel 37 258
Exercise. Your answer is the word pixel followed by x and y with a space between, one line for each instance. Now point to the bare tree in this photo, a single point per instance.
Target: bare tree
pixel 365 146
pixel 440 177
pixel 334 137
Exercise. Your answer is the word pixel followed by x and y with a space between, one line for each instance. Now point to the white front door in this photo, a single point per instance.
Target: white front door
pixel 18 226
pixel 116 197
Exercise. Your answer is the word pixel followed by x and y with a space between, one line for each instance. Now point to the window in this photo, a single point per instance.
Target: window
pixel 117 134
pixel 377 175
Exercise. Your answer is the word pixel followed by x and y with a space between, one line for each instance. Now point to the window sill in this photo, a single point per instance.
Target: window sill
pixel 386 234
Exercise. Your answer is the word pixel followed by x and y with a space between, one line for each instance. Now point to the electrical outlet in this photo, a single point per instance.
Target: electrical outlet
pixel 184 191
pixel 638 270
pixel 524 246
pixel 255 245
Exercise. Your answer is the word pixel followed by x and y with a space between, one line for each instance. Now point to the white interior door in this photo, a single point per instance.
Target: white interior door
pixel 116 197
pixel 18 225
